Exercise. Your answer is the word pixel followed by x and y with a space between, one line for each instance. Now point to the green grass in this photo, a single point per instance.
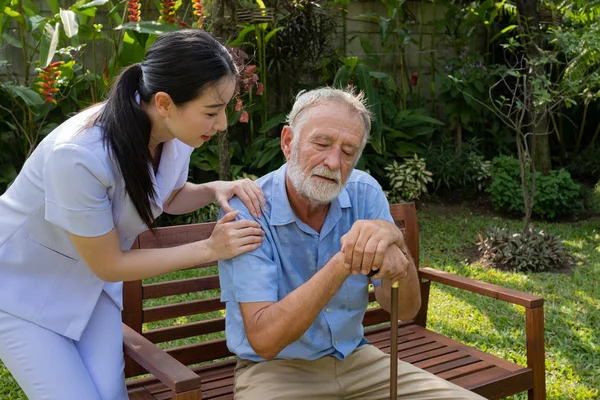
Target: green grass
pixel 572 308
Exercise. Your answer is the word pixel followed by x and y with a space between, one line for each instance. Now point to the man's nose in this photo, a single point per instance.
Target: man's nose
pixel 333 159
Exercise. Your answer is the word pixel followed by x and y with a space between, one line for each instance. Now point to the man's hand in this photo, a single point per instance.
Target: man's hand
pixel 395 265
pixel 365 245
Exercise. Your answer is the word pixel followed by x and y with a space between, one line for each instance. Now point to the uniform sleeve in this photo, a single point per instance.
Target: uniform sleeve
pixel 250 277
pixel 76 184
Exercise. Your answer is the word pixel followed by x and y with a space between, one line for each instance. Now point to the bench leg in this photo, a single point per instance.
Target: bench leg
pixel 536 351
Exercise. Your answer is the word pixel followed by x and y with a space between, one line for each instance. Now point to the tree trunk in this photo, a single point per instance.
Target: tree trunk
pixel 218 30
pixel 529 27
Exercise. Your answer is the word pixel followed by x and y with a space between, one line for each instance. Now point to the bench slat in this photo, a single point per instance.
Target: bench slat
pixel 181 286
pixel 158 313
pixel 187 330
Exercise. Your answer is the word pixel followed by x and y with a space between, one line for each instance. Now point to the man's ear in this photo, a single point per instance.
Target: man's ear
pixel 287 135
pixel 163 103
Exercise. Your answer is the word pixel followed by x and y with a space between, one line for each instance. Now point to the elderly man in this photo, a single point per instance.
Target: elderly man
pixel 295 305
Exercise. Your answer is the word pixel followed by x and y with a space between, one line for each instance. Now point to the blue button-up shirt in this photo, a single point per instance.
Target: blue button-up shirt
pixel 290 255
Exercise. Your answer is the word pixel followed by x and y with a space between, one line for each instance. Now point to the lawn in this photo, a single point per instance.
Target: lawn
pixel 572 309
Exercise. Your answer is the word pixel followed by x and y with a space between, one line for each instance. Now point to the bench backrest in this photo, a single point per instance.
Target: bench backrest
pixel 199 319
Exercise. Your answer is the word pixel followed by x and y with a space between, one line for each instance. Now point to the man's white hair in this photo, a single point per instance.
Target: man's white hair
pixel 308 99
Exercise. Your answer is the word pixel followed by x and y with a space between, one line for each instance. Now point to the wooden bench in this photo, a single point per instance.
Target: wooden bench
pixel 204 368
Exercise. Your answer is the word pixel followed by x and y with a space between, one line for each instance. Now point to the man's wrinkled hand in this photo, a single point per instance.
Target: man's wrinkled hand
pixel 365 245
pixel 395 265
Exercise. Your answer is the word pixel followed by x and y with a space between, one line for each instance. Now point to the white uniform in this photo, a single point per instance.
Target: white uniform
pixel 48 295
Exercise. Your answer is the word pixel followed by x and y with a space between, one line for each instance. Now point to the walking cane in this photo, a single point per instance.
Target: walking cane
pixel 394 349
pixel 393 340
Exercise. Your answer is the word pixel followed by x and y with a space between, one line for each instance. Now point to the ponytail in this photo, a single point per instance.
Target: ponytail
pixel 126 133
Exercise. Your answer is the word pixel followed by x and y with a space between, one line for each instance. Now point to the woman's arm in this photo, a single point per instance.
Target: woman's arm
pixel 104 256
pixel 194 196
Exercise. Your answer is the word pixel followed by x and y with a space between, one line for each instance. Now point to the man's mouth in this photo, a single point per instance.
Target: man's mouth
pixel 332 180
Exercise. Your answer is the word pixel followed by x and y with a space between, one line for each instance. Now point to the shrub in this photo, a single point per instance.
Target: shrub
pixel 532 251
pixel 408 181
pixel 452 170
pixel 556 194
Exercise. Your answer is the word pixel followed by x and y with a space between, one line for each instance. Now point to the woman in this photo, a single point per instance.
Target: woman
pixel 83 196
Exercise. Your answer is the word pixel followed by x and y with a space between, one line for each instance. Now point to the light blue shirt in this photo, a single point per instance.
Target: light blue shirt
pixel 290 255
pixel 70 184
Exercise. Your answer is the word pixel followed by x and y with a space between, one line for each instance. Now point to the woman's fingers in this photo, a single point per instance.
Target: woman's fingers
pixel 230 216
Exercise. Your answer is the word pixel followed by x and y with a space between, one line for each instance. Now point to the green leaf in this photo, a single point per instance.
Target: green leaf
pixel 273 122
pixel 365 83
pixel 31 98
pixel 94 3
pixel 12 13
pixel 12 41
pixel 54 6
pixel 502 32
pixel 341 77
pixel 69 21
pixel 233 117
pixel 48 44
pixel 151 27
pixel 268 156
pixel 272 33
pixel 37 21
pixel 240 37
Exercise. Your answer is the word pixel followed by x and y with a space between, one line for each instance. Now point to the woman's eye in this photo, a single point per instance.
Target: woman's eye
pixel 321 145
pixel 212 115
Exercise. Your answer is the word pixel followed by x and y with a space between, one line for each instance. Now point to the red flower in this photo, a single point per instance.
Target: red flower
pixel 198 12
pixel 259 89
pixel 414 78
pixel 133 10
pixel 244 117
pixel 48 81
pixel 167 12
pixel 238 105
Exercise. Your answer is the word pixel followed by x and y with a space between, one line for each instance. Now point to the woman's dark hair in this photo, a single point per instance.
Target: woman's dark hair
pixel 182 64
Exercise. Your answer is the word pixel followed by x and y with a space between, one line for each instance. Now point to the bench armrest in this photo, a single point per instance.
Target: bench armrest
pixel 167 369
pixel 534 318
pixel 485 289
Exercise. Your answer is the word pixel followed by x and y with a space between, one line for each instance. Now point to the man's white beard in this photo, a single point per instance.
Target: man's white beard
pixel 317 190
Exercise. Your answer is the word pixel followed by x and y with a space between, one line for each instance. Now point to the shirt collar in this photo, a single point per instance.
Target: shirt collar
pixel 281 210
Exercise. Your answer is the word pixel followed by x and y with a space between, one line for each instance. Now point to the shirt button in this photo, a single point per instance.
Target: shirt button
pixel 328 309
pixel 336 342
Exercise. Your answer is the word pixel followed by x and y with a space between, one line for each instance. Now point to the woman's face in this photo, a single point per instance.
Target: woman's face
pixel 198 120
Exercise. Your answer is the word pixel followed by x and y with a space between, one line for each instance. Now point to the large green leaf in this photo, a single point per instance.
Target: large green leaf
pixel 31 98
pixel 54 6
pixel 366 85
pixel 271 34
pixel 94 3
pixel 151 27
pixel 69 21
pixel 131 52
pixel 341 77
pixel 241 36
pixel 12 41
pixel 267 156
pixel 273 122
pixel 48 44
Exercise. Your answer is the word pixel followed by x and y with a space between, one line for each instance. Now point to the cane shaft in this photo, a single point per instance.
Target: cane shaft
pixel 394 344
